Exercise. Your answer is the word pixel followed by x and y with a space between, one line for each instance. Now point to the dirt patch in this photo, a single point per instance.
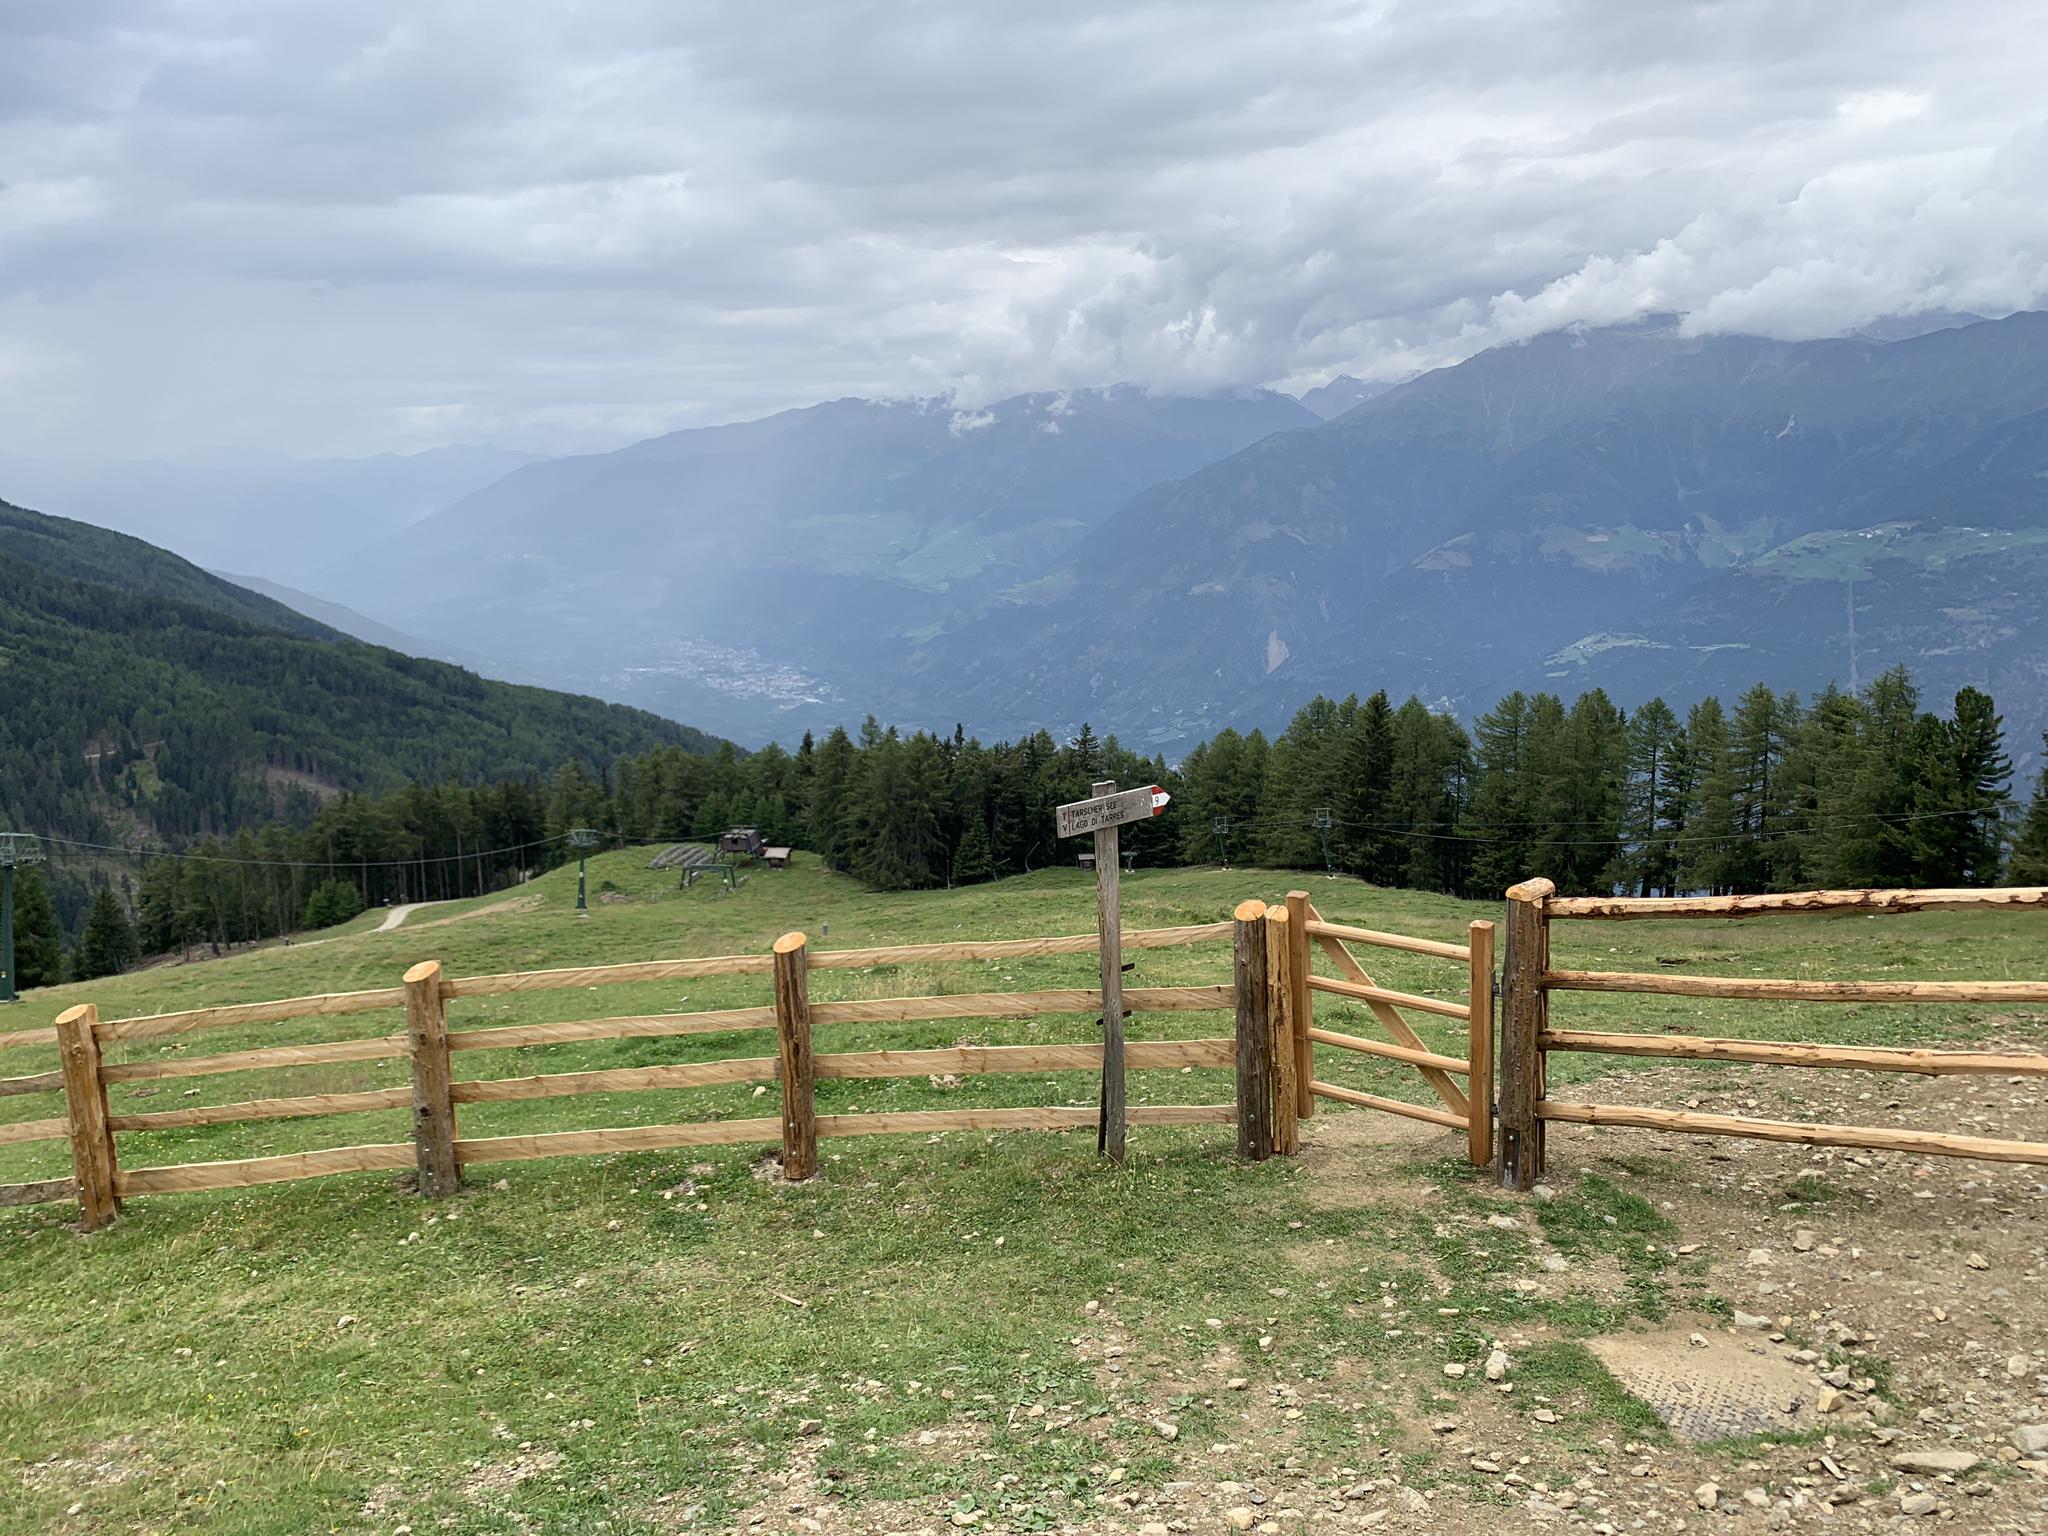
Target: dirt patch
pixel 105 1465
pixel 1354 1158
pixel 501 1476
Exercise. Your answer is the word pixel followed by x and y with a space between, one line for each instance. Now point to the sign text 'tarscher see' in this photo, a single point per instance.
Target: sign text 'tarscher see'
pixel 1085 816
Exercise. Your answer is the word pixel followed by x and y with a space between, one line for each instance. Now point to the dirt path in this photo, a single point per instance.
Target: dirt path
pixel 397 915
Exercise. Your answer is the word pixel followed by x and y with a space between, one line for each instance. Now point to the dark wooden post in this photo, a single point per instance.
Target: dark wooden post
pixel 1254 1034
pixel 1280 1009
pixel 85 1102
pixel 1523 1016
pixel 1479 1044
pixel 1109 932
pixel 433 1104
pixel 1300 1004
pixel 793 1031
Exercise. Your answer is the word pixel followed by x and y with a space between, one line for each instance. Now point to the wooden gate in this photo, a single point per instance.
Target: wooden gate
pixel 1468 1109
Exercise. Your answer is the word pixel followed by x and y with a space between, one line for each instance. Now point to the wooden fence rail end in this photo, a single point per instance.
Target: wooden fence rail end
pixel 93 1160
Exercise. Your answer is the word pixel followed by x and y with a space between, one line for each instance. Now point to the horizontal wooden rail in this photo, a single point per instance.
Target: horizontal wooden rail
pixel 844 959
pixel 327 1005
pixel 1994 897
pixel 264 1109
pixel 1874 1058
pixel 19 1038
pixel 1004 1005
pixel 1798 991
pixel 1441 1117
pixel 1414 1058
pixel 632 1138
pixel 1035 1118
pixel 963 1059
pixel 39 1192
pixel 1414 946
pixel 243 1172
pixel 373 1049
pixel 1360 992
pixel 971 1060
pixel 40 1082
pixel 709 1021
pixel 606 975
pixel 1868 1138
pixel 34 1130
pixel 561 1085
pixel 1012 949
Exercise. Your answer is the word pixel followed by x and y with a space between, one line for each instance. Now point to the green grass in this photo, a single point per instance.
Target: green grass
pixel 608 1344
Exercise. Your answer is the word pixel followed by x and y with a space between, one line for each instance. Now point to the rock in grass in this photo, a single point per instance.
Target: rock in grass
pixel 1497 1365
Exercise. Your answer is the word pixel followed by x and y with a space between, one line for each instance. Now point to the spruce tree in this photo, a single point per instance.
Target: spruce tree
pixel 1710 832
pixel 2030 848
pixel 38 942
pixel 108 945
pixel 1760 737
pixel 1963 825
pixel 974 860
pixel 1502 811
pixel 1872 841
pixel 1584 794
pixel 1651 806
pixel 1374 850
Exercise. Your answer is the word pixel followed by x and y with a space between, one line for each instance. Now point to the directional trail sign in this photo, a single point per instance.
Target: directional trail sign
pixel 1105 811
pixel 1101 815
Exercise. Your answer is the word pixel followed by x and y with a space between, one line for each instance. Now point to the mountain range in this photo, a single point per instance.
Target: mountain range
pixel 1637 508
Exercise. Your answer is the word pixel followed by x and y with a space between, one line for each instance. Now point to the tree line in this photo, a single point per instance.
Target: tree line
pixel 1773 793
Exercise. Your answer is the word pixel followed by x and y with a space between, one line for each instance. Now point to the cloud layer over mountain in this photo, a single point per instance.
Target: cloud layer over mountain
pixel 395 224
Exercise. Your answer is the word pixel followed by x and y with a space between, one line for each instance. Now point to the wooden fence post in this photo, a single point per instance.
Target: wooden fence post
pixel 793 1030
pixel 1479 1044
pixel 1280 1004
pixel 1254 1034
pixel 1300 1004
pixel 85 1102
pixel 1523 1014
pixel 433 1104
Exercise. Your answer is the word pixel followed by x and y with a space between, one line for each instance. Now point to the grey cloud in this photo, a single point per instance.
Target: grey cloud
pixel 392 224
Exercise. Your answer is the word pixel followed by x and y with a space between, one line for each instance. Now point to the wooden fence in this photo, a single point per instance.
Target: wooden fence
pixel 1469 1109
pixel 1258 1051
pixel 1528 980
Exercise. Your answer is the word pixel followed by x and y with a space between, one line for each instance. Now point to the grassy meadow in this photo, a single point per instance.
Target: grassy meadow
pixel 632 1343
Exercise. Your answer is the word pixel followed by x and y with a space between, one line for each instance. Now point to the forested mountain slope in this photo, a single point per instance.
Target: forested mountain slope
pixel 162 701
pixel 64 546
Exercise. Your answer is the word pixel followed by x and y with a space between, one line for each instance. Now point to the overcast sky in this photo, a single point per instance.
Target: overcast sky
pixel 391 224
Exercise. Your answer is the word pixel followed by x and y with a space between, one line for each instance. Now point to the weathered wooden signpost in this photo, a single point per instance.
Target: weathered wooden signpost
pixel 1108 809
